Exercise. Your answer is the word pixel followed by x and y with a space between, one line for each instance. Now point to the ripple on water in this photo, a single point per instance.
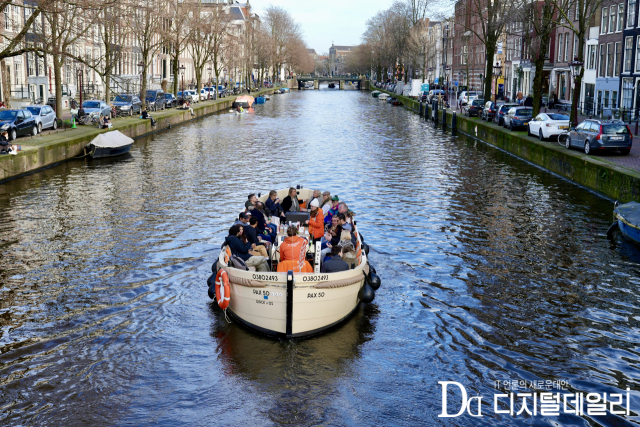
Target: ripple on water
pixel 492 270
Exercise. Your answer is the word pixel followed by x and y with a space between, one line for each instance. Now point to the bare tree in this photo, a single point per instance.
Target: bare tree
pixel 282 29
pixel 176 32
pixel 146 20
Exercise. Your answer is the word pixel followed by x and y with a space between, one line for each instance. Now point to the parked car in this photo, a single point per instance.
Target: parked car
pixel 211 91
pixel 466 97
pixel 18 122
pixel 189 95
pixel 474 108
pixel 154 99
pixel 222 92
pixel 44 115
pixel 489 110
pixel 518 117
pixel 502 111
pixel 546 125
pixel 127 104
pixel 610 135
pixel 170 100
pixel 96 108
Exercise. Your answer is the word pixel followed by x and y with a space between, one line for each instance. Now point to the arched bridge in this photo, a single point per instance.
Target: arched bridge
pixel 362 82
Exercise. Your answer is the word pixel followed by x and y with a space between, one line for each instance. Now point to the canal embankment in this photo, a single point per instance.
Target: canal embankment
pixel 595 172
pixel 54 147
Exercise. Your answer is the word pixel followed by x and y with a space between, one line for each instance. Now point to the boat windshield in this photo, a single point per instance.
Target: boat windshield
pixel 7 115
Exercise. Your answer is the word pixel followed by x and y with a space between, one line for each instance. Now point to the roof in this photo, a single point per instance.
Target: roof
pixel 312 51
pixel 347 48
pixel 236 12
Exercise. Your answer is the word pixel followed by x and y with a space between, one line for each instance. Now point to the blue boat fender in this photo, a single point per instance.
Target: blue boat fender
pixel 612 230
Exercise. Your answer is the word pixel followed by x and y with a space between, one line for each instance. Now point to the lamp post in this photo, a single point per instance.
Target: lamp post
pixel 497 72
pixel 182 68
pixel 79 71
pixel 576 68
pixel 445 34
pixel 481 77
pixel 141 67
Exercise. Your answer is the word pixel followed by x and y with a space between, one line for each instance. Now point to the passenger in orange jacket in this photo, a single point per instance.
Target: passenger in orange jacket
pixel 316 220
pixel 294 247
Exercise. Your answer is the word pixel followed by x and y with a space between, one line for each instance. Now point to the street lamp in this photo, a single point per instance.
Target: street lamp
pixel 141 67
pixel 79 71
pixel 576 68
pixel 182 68
pixel 497 72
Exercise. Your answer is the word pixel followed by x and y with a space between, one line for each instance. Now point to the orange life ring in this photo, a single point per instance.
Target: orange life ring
pixel 223 291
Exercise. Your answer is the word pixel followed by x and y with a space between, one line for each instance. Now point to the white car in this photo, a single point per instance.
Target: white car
pixel 467 97
pixel 546 125
pixel 194 96
pixel 204 95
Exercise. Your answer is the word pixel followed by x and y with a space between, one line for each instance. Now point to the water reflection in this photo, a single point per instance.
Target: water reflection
pixel 491 268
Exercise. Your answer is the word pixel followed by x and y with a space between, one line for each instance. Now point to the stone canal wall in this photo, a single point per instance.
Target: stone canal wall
pixel 593 172
pixel 47 150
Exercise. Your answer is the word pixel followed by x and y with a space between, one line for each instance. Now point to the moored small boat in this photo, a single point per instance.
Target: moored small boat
pixel 260 100
pixel 109 144
pixel 244 101
pixel 627 221
pixel 383 97
pixel 375 93
pixel 297 300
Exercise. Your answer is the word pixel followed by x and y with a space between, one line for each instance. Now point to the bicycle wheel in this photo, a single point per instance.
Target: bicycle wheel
pixel 562 139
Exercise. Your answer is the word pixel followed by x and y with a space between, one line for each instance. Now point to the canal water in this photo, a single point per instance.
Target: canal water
pixel 492 270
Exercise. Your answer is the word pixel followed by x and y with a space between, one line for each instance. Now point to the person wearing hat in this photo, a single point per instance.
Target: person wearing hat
pixel 316 220
pixel 335 200
pixel 243 219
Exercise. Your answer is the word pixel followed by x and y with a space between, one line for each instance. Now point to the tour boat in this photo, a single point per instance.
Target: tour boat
pixel 627 220
pixel 109 144
pixel 383 97
pixel 297 300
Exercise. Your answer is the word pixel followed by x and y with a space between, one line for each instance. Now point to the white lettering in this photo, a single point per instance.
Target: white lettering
pixel 444 413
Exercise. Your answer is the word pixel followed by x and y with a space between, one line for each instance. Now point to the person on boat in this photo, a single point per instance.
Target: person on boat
pixel 241 249
pixel 260 207
pixel 316 220
pixel 251 202
pixel 243 219
pixel 317 195
pixel 290 203
pixel 260 248
pixel 331 237
pixel 335 263
pixel 326 201
pixel 342 221
pixel 294 247
pixel 348 253
pixel 262 223
pixel 335 200
pixel 273 205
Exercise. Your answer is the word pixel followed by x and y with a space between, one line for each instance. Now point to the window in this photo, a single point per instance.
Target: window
pixel 559 47
pixel 609 59
pixel 606 99
pixel 575 45
pixel 18 74
pixel 631 14
pixel 602 62
pixel 591 58
pixel 7 18
pixel 612 19
pixel 628 50
pixel 604 21
pixel 627 93
pixel 637 57
pixel 620 16
pixel 566 47
pixel 31 64
pixel 616 61
pixel 614 99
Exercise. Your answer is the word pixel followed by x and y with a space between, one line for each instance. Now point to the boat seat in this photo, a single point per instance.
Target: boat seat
pixel 251 268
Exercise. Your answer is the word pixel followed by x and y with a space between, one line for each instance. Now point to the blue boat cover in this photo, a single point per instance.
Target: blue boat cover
pixel 630 212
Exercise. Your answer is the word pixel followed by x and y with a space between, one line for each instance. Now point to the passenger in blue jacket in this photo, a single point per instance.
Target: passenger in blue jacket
pixel 335 263
pixel 241 249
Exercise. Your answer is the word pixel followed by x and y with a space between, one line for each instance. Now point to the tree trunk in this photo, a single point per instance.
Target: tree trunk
pixel 578 81
pixel 176 71
pixel 6 84
pixel 491 50
pixel 57 73
pixel 107 88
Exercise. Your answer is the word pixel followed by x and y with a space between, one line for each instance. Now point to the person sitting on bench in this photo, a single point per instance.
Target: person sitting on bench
pixel 335 263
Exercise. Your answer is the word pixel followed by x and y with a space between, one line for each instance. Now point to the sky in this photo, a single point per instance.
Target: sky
pixel 326 21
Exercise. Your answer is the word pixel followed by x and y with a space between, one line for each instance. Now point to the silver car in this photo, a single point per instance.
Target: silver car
pixel 44 115
pixel 96 108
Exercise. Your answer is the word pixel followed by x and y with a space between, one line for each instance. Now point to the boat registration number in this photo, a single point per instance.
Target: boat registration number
pixel 272 278
pixel 315 278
